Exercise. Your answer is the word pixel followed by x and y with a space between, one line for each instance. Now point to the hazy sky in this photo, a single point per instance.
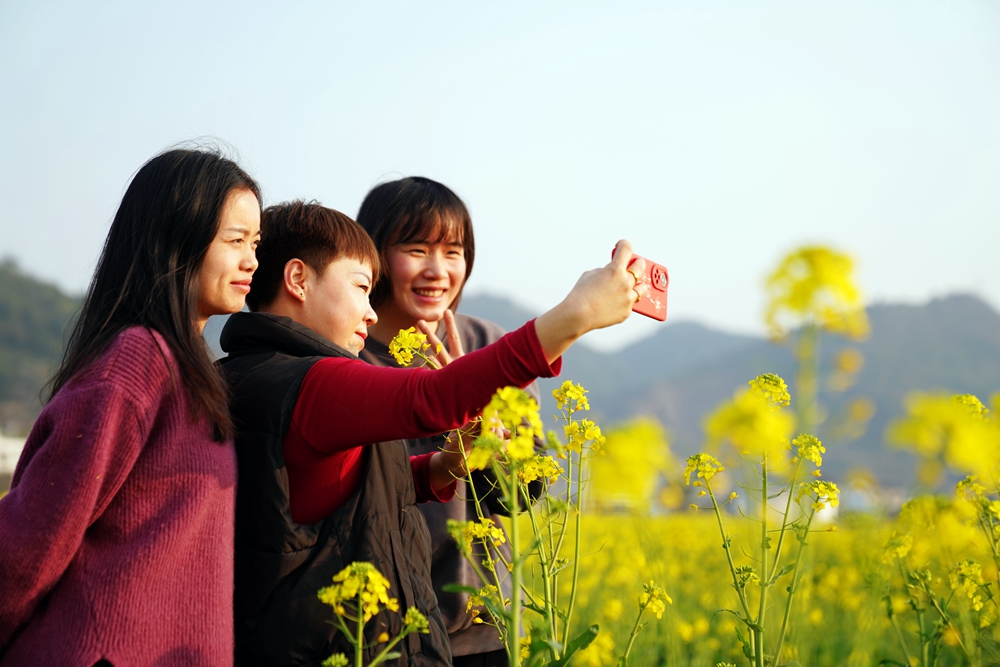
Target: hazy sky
pixel 714 135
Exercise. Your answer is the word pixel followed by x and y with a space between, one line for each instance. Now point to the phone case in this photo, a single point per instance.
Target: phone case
pixel 654 303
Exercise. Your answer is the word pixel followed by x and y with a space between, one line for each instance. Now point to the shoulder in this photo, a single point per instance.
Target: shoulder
pixel 477 332
pixel 138 363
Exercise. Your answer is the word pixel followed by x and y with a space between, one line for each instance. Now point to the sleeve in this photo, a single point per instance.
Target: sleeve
pixel 346 403
pixel 420 465
pixel 77 456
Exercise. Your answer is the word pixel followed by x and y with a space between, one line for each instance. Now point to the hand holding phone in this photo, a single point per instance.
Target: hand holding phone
pixel 654 303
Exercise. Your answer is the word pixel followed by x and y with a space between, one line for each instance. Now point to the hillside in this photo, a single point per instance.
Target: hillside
pixel 681 373
pixel 678 375
pixel 33 321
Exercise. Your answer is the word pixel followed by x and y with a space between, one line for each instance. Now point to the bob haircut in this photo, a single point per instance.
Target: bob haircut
pixel 148 272
pixel 310 232
pixel 410 210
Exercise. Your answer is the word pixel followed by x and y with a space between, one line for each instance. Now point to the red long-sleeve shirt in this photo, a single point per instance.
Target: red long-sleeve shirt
pixel 345 404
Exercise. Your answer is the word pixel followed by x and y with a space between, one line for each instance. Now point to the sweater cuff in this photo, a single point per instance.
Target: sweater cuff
pixel 421 467
pixel 538 359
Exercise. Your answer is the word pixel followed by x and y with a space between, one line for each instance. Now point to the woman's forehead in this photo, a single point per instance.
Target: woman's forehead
pixel 435 229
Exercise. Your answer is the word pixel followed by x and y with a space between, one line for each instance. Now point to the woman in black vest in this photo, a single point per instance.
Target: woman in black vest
pixel 323 478
pixel 425 240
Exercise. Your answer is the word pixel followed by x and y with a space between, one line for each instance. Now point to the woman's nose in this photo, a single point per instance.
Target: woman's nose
pixel 434 265
pixel 250 262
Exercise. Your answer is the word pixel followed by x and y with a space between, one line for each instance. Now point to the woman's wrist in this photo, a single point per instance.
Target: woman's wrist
pixel 444 468
pixel 558 328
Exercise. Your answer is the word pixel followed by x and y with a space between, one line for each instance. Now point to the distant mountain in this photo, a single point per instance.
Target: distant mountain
pixel 33 322
pixel 685 370
pixel 678 375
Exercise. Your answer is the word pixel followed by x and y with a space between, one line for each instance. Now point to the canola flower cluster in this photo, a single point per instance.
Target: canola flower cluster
pixel 362 582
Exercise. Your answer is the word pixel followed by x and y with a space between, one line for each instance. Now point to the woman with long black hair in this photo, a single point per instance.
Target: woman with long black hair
pixel 116 538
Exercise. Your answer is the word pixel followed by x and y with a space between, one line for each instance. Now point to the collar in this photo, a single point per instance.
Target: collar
pixel 253 333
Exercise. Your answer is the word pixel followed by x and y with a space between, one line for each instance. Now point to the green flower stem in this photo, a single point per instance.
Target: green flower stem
pixel 729 556
pixel 635 632
pixel 764 583
pixel 517 560
pixel 576 551
pixel 479 513
pixel 359 641
pixel 544 563
pixel 899 632
pixel 794 585
pixel 381 657
pixel 784 519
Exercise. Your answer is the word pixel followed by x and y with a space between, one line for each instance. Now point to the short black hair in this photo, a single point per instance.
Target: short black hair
pixel 308 231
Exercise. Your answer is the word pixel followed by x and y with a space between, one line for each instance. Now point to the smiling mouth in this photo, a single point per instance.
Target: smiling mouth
pixel 430 293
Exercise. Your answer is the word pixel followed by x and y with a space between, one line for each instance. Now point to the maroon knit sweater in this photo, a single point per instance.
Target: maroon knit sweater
pixel 116 539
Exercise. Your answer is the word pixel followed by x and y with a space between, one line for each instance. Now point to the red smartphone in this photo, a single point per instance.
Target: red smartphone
pixel 654 303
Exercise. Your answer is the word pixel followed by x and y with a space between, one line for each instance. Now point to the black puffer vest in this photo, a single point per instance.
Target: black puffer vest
pixel 280 565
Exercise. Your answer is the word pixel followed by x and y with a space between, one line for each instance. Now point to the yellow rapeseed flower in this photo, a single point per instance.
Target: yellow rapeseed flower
pixel 359 580
pixel 967 577
pixel 406 344
pixel 654 599
pixel 825 494
pixel 415 621
pixel 514 409
pixel 772 388
pixel 809 447
pixel 752 425
pixel 954 430
pixel 815 285
pixel 704 466
pixel 336 660
pixel 571 396
pixel 539 467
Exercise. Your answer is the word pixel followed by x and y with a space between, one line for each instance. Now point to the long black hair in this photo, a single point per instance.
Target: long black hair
pixel 411 209
pixel 148 271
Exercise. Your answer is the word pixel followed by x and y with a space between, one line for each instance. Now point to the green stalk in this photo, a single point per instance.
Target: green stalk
pixel 635 633
pixel 764 583
pixel 544 565
pixel 729 556
pixel 784 519
pixel 514 633
pixel 793 586
pixel 576 550
pixel 360 634
pixel 899 631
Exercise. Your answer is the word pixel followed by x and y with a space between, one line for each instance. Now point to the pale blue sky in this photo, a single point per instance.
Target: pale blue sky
pixel 715 135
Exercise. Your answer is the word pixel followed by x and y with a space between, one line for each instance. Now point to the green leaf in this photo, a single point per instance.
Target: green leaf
pixel 746 645
pixel 782 572
pixel 581 642
pixel 459 588
pixel 539 649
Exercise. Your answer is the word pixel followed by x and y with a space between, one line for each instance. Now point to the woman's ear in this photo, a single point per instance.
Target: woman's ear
pixel 295 279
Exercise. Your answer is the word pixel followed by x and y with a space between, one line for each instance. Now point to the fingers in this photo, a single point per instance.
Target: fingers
pixel 451 334
pixel 441 354
pixel 623 255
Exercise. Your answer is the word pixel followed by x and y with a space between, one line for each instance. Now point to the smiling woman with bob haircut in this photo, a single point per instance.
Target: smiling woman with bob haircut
pixel 423 232
pixel 117 533
pixel 323 478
